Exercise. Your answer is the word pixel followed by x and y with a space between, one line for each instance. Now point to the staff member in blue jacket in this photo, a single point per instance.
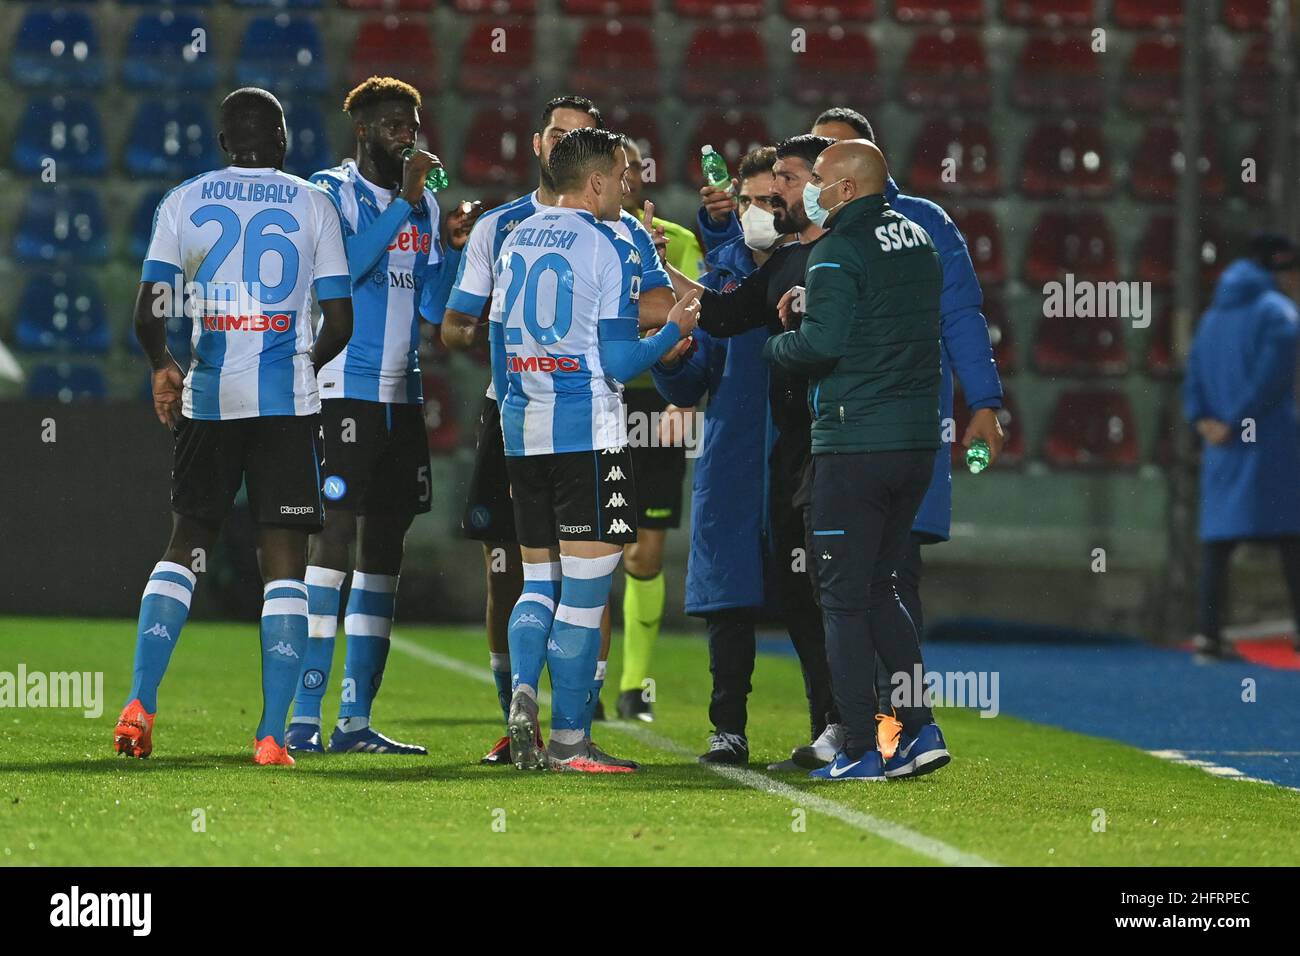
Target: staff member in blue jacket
pixel 964 349
pixel 1239 394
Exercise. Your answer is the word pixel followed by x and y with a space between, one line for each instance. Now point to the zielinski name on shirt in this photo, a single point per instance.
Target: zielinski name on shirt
pixel 545 238
pixel 241 191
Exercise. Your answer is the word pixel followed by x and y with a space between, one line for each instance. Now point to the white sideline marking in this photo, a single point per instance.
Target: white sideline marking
pixel 893 832
pixel 1230 773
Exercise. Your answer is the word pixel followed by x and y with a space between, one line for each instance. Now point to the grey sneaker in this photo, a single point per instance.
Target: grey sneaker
pixel 822 750
pixel 726 748
pixel 584 758
pixel 525 753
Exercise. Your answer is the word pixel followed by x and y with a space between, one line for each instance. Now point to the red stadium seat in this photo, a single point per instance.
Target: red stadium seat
pixel 440 415
pixel 1058 72
pixel 969 144
pixel 1160 345
pixel 839 66
pixel 1013 449
pixel 984 240
pixel 1252 94
pixel 1049 13
pixel 939 11
pixel 609 8
pixel 644 128
pixel 498 8
pixel 946 69
pixel 1158 163
pixel 1066 159
pixel 1159 242
pixel 732 134
pixel 497 60
pixel 1068 345
pixel 726 63
pixel 498 149
pixel 616 61
pixel 1092 429
pixel 391 47
pixel 1149 14
pixel 1153 76
pixel 1246 15
pixel 391 5
pixel 805 10
pixel 726 10
pixel 1000 334
pixel 1078 243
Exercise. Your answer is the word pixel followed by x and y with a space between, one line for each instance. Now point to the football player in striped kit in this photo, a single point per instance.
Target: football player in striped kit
pixel 245 249
pixel 376 447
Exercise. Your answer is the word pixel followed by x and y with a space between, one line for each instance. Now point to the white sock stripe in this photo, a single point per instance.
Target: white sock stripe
pixel 377 583
pixel 286 583
pixel 575 567
pixel 367 625
pixel 287 606
pixel 600 669
pixel 580 616
pixel 322 625
pixel 541 599
pixel 170 589
pixel 175 568
pixel 542 571
pixel 325 577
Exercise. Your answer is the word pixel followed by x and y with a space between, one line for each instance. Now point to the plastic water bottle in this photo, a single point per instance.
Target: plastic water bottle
pixel 977 456
pixel 715 168
pixel 437 177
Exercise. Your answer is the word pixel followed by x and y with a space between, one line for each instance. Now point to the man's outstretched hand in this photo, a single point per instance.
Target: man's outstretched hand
pixel 168 383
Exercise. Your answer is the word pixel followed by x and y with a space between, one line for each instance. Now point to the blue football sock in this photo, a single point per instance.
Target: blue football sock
pixel 596 684
pixel 530 622
pixel 284 642
pixel 163 610
pixel 368 625
pixel 574 647
pixel 500 664
pixel 323 592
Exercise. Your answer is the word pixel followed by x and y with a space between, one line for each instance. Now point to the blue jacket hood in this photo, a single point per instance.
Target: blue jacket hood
pixel 1242 282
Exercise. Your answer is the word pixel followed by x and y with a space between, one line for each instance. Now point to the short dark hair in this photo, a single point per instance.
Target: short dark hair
pixel 758 160
pixel 579 153
pixel 250 117
pixel 850 117
pixel 807 147
pixel 376 90
pixel 571 102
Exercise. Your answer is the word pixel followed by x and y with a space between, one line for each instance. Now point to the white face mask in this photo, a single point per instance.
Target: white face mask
pixel 759 227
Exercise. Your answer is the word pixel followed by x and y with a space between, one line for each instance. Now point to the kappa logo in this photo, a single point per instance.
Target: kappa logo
pixel 510 226
pixel 616 501
pixel 159 630
pixel 826 555
pixel 619 526
pixel 551 645
pixel 284 650
pixel 634 257
pixel 575 528
pixel 529 620
pixel 615 474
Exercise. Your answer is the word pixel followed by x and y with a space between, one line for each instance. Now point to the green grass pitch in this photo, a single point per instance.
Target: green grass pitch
pixel 1015 793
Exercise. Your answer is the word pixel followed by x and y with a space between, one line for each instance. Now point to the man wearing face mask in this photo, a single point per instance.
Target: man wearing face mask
pixel 750 305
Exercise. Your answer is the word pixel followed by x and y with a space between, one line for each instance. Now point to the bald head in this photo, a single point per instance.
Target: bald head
pixel 847 171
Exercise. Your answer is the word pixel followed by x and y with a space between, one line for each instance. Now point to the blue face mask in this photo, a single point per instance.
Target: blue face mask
pixel 812 208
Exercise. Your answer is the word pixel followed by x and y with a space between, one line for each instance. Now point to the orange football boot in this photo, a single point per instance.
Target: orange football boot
pixel 888 730
pixel 268 753
pixel 133 735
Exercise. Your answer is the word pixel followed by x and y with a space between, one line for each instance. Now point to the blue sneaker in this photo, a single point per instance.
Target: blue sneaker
pixel 843 768
pixel 918 755
pixel 304 738
pixel 369 741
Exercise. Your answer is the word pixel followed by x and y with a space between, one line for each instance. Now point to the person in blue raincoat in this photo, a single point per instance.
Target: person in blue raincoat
pixel 1239 394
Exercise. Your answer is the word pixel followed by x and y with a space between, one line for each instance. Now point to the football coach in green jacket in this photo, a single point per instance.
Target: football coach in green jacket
pixel 869 344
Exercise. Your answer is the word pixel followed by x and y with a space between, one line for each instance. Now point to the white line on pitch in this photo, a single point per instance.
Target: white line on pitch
pixel 893 832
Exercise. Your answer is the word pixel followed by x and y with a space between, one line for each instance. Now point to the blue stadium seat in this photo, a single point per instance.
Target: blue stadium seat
pixel 301 4
pixel 67 383
pixel 167 3
pixel 281 53
pixel 63 128
pixel 57 48
pixel 172 138
pixel 142 224
pixel 309 142
pixel 160 54
pixel 61 224
pixel 61 312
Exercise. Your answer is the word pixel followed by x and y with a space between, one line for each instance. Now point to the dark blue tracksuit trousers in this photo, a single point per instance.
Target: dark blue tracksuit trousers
pixel 863 506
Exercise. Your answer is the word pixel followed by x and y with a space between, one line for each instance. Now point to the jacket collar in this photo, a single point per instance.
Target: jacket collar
pixel 858 209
